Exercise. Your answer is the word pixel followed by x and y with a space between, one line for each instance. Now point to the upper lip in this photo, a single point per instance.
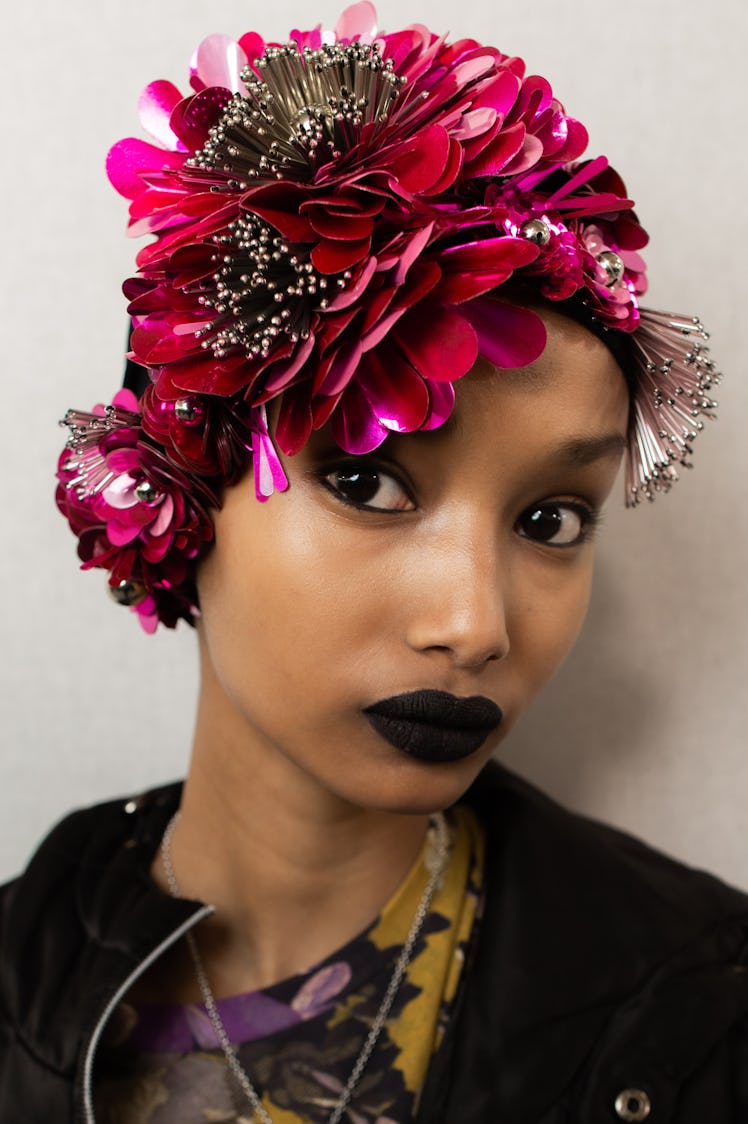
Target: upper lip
pixel 439 708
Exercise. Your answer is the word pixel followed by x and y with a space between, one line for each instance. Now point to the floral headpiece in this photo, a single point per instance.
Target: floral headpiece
pixel 317 208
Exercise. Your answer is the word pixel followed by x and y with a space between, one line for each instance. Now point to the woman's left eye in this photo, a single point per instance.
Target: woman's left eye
pixel 368 486
pixel 557 524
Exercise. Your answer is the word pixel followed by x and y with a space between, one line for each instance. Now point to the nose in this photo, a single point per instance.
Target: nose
pixel 459 607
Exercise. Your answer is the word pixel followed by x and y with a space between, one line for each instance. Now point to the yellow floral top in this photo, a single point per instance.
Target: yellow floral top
pixel 299 1039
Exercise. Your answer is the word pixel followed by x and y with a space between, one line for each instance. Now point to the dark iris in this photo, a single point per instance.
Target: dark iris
pixel 359 486
pixel 542 523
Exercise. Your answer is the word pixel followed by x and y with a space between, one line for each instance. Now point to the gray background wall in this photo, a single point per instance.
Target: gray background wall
pixel 645 726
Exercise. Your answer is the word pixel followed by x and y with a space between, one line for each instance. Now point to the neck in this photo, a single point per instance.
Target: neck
pixel 293 871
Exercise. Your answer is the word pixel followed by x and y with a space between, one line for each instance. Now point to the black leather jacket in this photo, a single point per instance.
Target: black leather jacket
pixel 608 982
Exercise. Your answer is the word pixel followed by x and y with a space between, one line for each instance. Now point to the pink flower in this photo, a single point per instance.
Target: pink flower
pixel 135 514
pixel 310 258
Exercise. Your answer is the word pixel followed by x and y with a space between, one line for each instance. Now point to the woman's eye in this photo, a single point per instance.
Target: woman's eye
pixel 368 486
pixel 557 524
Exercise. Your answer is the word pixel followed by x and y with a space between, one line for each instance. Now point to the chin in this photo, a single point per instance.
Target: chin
pixel 418 788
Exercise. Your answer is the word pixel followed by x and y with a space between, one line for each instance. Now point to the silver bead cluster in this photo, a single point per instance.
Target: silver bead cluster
pixel 263 288
pixel 309 107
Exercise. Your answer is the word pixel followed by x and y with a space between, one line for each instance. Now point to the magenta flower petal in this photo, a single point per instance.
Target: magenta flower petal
pixel 396 393
pixel 355 426
pixel 508 336
pixel 342 369
pixel 440 342
pixel 128 159
pixel 441 403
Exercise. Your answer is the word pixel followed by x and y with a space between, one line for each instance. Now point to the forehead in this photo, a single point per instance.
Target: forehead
pixel 575 389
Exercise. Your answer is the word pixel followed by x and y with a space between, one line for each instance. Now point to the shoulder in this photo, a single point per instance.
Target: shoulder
pixel 569 860
pixel 624 968
pixel 89 870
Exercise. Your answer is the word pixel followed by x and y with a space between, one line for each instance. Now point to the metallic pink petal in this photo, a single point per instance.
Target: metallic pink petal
pixel 439 342
pixel 253 46
pixel 508 336
pixel 268 470
pixel 155 108
pixel 342 369
pixel 129 158
pixel 355 427
pixel 396 393
pixel 334 257
pixel 126 400
pixel 281 374
pixel 359 21
pixel 121 534
pixel 441 403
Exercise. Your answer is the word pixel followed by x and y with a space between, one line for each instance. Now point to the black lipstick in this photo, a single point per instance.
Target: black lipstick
pixel 434 725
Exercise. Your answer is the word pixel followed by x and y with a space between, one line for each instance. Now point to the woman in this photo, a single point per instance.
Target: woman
pixel 390 351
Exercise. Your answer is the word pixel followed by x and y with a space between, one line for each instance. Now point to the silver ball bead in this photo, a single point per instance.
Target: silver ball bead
pixel 536 231
pixel 145 492
pixel 188 410
pixel 612 264
pixel 127 593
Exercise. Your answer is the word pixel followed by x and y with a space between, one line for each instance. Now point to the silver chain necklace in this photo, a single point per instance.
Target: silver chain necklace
pixel 442 854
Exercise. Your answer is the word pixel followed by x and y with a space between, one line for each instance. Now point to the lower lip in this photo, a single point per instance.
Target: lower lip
pixel 427 742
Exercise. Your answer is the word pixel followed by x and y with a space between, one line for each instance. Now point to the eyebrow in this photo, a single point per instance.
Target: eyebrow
pixel 586 450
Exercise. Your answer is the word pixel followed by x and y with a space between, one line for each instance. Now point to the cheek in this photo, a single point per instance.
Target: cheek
pixel 285 598
pixel 547 622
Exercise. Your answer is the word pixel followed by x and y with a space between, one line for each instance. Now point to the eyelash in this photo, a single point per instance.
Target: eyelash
pixel 589 517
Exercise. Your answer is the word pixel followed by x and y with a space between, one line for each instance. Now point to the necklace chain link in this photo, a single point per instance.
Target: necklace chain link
pixel 401 965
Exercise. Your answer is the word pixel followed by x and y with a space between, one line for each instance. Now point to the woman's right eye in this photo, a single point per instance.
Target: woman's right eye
pixel 368 487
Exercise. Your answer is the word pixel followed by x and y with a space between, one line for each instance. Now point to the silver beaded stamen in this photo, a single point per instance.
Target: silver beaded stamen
pixel 675 376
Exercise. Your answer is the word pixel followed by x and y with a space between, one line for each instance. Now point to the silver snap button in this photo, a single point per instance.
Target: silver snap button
pixel 633 1104
pixel 130 807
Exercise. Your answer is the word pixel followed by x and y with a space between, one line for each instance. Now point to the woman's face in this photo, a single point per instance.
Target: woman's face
pixel 458 560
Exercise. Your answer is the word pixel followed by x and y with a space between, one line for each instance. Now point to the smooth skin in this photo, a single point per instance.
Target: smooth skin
pixel 460 560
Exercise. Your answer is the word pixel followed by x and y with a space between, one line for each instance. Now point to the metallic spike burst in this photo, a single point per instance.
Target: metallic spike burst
pixel 675 376
pixel 86 460
pixel 308 108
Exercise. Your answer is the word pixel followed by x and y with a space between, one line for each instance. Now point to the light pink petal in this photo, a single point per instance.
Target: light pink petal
pixel 165 515
pixel 268 470
pixel 155 107
pixel 120 493
pixel 219 61
pixel 359 21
